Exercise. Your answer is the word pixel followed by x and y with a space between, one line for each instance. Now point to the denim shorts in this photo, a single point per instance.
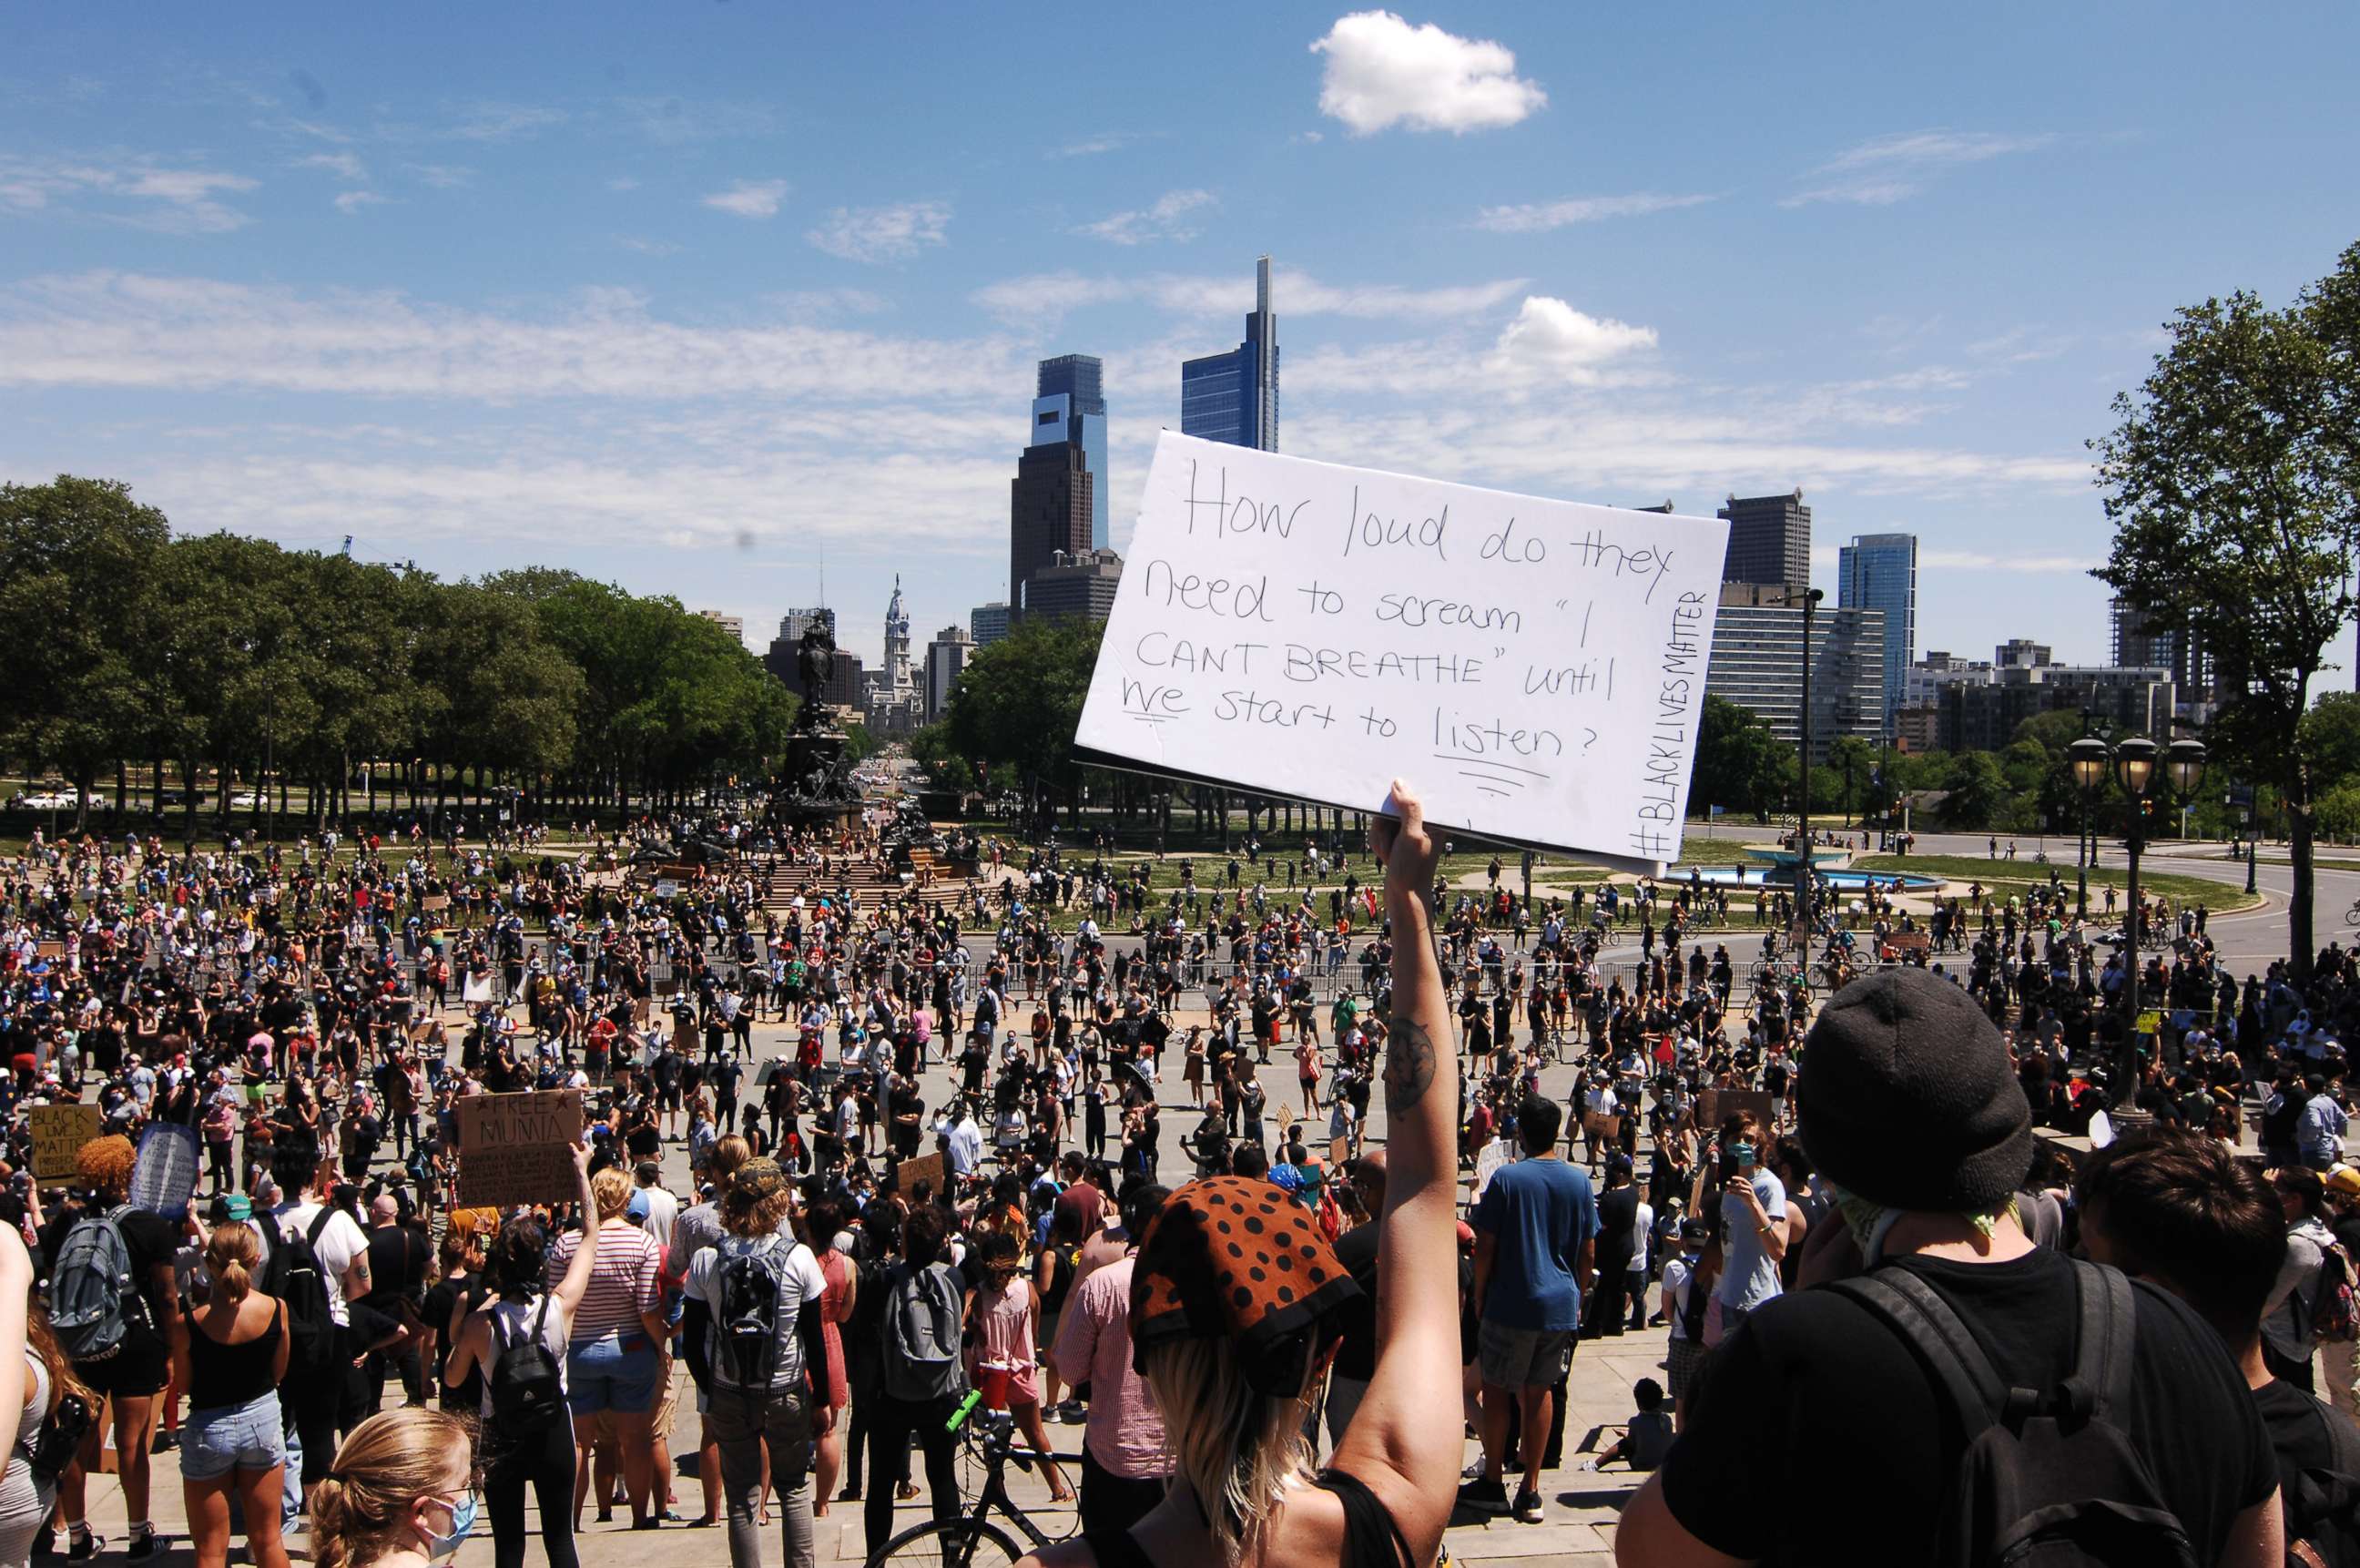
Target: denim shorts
pixel 618 1373
pixel 231 1437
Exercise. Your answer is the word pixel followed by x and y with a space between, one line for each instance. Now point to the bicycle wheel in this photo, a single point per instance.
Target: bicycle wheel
pixel 962 1543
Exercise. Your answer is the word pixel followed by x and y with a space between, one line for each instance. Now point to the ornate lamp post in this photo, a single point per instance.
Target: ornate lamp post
pixel 2133 762
pixel 2088 758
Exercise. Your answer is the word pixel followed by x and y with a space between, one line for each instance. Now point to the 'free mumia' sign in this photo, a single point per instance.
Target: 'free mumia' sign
pixel 519 1148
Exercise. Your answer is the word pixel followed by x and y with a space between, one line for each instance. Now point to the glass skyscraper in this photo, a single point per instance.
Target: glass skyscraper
pixel 1070 405
pixel 1879 571
pixel 1233 396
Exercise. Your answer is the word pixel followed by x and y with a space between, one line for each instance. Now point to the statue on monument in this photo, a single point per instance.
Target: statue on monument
pixel 814 663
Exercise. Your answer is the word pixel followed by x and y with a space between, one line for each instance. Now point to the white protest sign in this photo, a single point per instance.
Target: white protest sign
pixel 1534 668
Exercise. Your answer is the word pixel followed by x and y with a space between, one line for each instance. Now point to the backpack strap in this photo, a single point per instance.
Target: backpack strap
pixel 2100 1386
pixel 1968 1382
pixel 319 1226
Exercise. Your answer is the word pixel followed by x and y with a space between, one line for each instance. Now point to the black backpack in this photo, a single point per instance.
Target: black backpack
pixel 2045 1477
pixel 292 1273
pixel 2323 1506
pixel 526 1384
pixel 745 1340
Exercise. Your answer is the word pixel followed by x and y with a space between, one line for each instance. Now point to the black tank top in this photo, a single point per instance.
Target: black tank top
pixel 223 1375
pixel 1371 1539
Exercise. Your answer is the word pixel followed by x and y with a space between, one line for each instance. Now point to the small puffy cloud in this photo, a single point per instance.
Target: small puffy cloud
pixel 1550 337
pixel 1539 217
pixel 137 192
pixel 354 200
pixel 882 234
pixel 1167 219
pixel 343 165
pixel 750 198
pixel 1381 71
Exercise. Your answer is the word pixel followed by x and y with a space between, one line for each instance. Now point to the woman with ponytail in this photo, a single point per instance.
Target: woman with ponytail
pixel 34 1375
pixel 400 1494
pixel 230 1354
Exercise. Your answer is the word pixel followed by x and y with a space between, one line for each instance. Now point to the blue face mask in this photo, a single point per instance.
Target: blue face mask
pixel 463 1521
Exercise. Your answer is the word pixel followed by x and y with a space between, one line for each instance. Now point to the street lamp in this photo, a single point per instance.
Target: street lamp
pixel 1809 600
pixel 2134 763
pixel 2087 758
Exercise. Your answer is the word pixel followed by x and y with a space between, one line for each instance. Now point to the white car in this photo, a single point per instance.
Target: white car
pixel 46 800
pixel 245 800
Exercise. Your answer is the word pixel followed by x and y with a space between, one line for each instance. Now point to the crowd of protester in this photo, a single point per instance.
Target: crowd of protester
pixel 286 1035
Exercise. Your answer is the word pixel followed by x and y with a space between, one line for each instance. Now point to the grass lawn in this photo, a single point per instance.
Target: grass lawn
pixel 2222 897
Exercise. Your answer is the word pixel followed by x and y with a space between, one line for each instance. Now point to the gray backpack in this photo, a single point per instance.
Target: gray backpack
pixel 923 1311
pixel 91 1292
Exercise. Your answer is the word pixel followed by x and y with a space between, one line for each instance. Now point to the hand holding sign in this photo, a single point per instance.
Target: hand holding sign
pixel 1312 631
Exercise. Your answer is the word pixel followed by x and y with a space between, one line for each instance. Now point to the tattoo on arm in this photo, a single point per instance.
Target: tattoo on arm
pixel 1409 1065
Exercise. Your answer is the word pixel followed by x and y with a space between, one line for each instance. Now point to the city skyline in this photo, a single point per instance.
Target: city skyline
pixel 600 300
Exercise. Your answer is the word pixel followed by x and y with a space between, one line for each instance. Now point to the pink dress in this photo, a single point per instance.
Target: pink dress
pixel 1005 1331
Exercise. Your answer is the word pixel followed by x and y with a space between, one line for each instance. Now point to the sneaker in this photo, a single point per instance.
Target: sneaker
pixel 166 1441
pixel 145 1544
pixel 1528 1506
pixel 1486 1496
pixel 85 1544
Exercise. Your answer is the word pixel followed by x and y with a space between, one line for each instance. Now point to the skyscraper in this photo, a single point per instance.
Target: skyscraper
pixel 1769 540
pixel 1071 406
pixel 987 622
pixel 1757 654
pixel 1233 396
pixel 1079 588
pixel 1049 512
pixel 1879 571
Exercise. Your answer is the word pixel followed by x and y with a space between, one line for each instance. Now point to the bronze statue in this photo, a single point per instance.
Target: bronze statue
pixel 814 663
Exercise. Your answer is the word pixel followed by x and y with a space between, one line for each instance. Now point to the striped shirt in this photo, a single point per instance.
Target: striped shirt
pixel 626 1279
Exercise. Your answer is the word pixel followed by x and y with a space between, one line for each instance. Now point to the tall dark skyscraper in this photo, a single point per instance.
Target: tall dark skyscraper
pixel 1049 512
pixel 1070 406
pixel 1233 396
pixel 1769 540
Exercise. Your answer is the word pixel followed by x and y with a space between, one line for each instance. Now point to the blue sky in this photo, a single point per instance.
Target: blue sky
pixel 703 298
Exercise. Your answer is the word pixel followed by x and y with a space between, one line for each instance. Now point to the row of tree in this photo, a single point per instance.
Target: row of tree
pixel 196 661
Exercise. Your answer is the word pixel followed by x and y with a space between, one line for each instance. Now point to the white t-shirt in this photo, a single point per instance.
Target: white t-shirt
pixel 801 1281
pixel 662 1210
pixel 341 1241
pixel 1643 1226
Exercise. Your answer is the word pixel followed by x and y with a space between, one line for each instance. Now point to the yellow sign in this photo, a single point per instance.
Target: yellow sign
pixel 59 1134
pixel 2151 1022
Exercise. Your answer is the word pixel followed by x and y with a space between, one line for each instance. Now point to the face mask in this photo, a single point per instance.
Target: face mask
pixel 463 1520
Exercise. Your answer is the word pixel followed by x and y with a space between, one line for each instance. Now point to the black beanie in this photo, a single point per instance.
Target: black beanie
pixel 1907 1097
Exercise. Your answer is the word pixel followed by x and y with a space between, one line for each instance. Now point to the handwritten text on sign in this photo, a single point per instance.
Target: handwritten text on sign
pixel 1535 667
pixel 59 1134
pixel 519 1148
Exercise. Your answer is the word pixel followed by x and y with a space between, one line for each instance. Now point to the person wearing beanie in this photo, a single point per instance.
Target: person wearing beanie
pixel 1919 1132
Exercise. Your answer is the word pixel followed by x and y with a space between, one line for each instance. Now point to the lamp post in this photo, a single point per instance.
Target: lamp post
pixel 2088 759
pixel 2133 762
pixel 1809 600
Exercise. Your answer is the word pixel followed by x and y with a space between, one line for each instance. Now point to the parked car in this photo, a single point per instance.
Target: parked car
pixel 245 800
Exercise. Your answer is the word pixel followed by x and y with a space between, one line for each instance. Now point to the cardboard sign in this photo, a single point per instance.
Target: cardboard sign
pixel 926 1167
pixel 434 903
pixel 519 1148
pixel 476 989
pixel 1716 1105
pixel 1535 667
pixel 59 1132
pixel 1487 1161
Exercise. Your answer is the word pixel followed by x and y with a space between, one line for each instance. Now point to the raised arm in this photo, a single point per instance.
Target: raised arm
pixel 569 1290
pixel 1394 1444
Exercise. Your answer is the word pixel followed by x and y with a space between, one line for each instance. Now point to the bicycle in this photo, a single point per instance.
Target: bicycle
pixel 2352 916
pixel 973 1540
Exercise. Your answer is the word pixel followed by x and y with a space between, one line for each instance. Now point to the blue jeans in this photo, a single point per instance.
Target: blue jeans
pixel 618 1373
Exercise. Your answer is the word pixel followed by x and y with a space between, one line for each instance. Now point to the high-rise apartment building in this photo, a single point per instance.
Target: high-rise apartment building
pixel 946 655
pixel 1879 571
pixel 1757 664
pixel 987 623
pixel 793 623
pixel 1769 540
pixel 1233 396
pixel 2141 644
pixel 1070 405
pixel 733 624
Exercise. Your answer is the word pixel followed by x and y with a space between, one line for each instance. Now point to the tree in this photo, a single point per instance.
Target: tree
pixel 1019 701
pixel 1978 791
pixel 2233 481
pixel 1740 764
pixel 1849 761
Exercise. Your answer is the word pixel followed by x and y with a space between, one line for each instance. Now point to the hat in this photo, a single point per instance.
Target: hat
pixel 759 1177
pixel 1229 1257
pixel 637 1208
pixel 2345 1181
pixel 239 1209
pixel 1908 1099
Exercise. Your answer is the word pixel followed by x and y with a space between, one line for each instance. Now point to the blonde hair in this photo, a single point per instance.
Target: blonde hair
pixel 232 1255
pixel 729 1151
pixel 391 1459
pixel 612 1190
pixel 1241 1450
pixel 745 1216
pixel 42 1342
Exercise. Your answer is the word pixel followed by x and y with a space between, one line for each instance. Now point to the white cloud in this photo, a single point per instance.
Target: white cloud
pixel 343 165
pixel 442 176
pixel 503 122
pixel 1044 296
pixel 622 182
pixel 1553 338
pixel 890 232
pixel 1167 219
pixel 1381 71
pixel 114 329
pixel 1977 561
pixel 750 198
pixel 646 246
pixel 1541 216
pixel 1886 170
pixel 354 200
pixel 136 190
pixel 1091 146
